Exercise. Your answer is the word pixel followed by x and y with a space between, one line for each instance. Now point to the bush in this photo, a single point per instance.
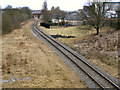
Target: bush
pixel 12 18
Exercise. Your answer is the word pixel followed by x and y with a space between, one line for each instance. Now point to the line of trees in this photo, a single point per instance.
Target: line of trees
pixel 94 14
pixel 55 13
pixel 13 17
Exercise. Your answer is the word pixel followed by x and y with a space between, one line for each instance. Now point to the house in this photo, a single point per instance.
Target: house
pixel 74 18
pixel 111 9
pixel 114 9
pixel 55 20
pixel 111 14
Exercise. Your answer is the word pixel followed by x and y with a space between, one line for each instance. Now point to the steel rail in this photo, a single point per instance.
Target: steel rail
pixel 42 34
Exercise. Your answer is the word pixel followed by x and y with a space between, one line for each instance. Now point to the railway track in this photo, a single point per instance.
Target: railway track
pixel 101 80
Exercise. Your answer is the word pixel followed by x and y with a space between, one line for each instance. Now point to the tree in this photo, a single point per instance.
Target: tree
pixel 27 11
pixel 53 11
pixel 57 13
pixel 46 14
pixel 94 14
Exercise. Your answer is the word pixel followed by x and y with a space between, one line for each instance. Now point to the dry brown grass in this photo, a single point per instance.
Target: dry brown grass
pixel 26 56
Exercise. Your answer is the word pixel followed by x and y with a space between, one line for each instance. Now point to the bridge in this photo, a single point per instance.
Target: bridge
pixel 36 14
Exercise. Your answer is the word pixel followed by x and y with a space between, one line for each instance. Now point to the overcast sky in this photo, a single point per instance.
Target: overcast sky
pixel 69 5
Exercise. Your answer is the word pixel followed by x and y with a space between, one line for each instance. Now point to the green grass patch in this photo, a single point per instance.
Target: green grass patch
pixel 78 31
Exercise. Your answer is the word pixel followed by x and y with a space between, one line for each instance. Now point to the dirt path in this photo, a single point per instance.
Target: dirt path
pixel 24 55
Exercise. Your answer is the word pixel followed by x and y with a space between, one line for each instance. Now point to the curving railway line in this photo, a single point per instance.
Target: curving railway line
pixel 101 80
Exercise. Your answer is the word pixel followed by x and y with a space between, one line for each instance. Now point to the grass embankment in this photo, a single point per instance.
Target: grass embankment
pixel 99 49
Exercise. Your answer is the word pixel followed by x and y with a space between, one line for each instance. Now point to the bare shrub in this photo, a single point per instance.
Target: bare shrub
pixel 12 18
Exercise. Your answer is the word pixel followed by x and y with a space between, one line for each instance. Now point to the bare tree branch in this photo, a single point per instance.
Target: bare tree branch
pixel 94 14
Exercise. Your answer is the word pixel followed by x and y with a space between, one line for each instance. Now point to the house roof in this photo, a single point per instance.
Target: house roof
pixel 73 16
